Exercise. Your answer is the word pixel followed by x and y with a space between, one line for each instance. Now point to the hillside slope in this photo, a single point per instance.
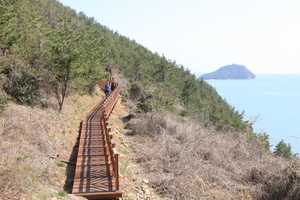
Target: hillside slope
pixel 161 156
pixel 40 151
pixel 183 160
pixel 36 145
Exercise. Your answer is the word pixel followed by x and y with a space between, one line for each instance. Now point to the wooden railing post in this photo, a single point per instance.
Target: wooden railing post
pixel 117 171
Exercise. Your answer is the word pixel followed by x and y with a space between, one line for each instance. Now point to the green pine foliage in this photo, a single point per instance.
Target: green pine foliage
pixel 92 59
pixel 8 25
pixel 3 101
pixel 62 51
pixel 46 46
pixel 283 149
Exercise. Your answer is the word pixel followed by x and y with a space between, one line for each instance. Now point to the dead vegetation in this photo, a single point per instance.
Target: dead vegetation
pixel 184 160
pixel 25 148
pixel 34 143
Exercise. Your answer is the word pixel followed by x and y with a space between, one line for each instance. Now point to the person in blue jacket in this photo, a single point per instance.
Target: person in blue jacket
pixel 107 89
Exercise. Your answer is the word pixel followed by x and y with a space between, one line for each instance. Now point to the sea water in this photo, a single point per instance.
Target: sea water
pixel 272 101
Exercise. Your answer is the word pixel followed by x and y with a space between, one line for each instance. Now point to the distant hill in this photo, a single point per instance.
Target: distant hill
pixel 233 71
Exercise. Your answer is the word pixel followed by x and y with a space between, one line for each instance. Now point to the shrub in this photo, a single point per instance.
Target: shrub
pixel 61 164
pixel 3 101
pixel 145 104
pixel 26 90
pixel 22 86
pixel 135 91
pixel 283 149
pixel 62 193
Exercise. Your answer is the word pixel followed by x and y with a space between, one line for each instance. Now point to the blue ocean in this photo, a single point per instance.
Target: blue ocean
pixel 272 99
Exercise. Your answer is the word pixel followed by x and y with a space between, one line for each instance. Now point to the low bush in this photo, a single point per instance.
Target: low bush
pixel 61 164
pixel 283 149
pixel 3 101
pixel 62 193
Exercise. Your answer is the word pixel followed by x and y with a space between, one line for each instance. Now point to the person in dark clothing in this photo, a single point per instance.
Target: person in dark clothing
pixel 107 89
pixel 108 69
pixel 113 86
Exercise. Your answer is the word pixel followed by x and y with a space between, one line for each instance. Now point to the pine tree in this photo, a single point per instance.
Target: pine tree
pixel 62 51
pixel 188 90
pixel 92 60
pixel 283 149
pixel 162 69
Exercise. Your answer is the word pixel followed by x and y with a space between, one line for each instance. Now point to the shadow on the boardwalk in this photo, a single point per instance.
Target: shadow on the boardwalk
pixel 70 170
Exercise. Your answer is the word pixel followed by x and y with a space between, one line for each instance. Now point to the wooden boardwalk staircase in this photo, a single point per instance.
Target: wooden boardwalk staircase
pixel 96 173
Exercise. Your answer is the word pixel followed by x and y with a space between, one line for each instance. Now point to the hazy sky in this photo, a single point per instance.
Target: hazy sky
pixel 204 35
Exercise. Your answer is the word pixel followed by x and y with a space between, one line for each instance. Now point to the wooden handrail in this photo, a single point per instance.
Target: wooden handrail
pixel 107 106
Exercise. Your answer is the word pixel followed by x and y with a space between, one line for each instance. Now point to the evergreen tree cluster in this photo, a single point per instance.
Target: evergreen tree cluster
pixel 284 149
pixel 46 46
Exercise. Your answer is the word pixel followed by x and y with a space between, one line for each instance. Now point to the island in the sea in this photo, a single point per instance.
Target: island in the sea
pixel 233 71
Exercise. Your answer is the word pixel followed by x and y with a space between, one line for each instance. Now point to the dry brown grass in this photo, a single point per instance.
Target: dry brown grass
pixel 183 160
pixel 32 143
pixel 25 146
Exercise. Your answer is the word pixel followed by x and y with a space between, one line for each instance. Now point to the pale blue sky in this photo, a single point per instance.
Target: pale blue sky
pixel 204 35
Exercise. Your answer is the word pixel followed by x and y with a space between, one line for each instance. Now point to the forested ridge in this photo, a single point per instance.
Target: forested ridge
pixel 50 51
pixel 49 47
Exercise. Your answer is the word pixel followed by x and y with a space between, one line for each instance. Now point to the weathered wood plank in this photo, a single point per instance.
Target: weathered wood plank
pixel 92 151
pixel 94 184
pixel 92 136
pixel 94 160
pixel 94 171
pixel 92 143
